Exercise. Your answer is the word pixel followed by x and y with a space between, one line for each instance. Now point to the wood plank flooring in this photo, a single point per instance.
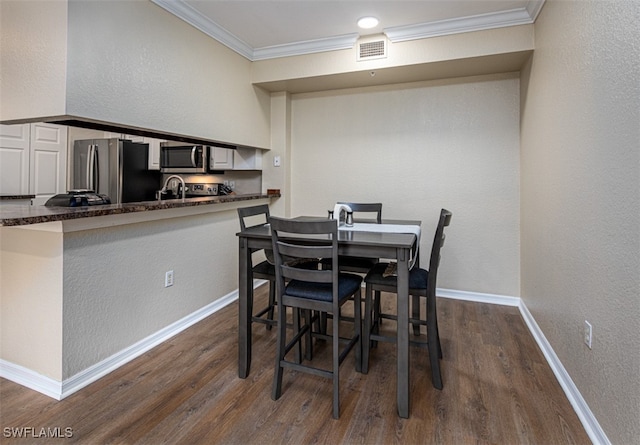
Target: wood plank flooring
pixel 498 389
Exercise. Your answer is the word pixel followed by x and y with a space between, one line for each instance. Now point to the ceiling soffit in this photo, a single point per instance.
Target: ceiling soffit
pixel 519 16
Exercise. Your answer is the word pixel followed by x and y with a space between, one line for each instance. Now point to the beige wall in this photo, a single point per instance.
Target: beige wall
pixel 581 200
pixel 417 148
pixel 126 62
pixel 31 298
pixel 114 294
pixel 33 58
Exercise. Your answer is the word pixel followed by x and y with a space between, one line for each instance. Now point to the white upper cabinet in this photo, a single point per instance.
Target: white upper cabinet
pixel 48 163
pixel 33 160
pixel 247 159
pixel 221 158
pixel 14 159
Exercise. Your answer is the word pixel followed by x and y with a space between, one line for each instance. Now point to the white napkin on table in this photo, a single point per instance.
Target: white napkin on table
pixel 338 208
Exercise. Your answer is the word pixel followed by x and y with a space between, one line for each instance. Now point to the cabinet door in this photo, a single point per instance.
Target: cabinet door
pixel 247 159
pixel 14 159
pixel 48 171
pixel 221 159
pixel 154 153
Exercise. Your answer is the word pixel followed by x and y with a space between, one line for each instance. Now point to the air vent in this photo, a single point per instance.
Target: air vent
pixel 372 49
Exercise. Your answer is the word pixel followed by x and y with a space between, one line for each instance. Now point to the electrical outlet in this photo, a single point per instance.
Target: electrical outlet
pixel 276 161
pixel 226 182
pixel 168 279
pixel 232 185
pixel 588 333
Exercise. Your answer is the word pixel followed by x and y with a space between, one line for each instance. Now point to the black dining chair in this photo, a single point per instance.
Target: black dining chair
pixel 265 270
pixel 307 290
pixel 422 283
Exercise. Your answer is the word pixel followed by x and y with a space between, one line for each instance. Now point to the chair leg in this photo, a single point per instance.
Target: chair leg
pixel 434 359
pixel 308 342
pixel 358 328
pixel 433 345
pixel 296 329
pixel 272 302
pixel 377 319
pixel 415 314
pixel 276 390
pixel 438 338
pixel 366 329
pixel 336 365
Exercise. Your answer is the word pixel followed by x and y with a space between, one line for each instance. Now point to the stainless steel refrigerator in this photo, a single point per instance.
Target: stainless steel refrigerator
pixel 117 168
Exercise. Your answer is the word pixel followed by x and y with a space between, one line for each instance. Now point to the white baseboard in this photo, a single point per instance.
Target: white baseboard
pixel 589 422
pixel 31 379
pixel 477 297
pixel 59 390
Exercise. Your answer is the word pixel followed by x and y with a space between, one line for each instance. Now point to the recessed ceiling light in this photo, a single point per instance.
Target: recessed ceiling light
pixel 368 22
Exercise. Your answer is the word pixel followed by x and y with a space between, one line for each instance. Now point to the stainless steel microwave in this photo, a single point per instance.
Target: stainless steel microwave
pixel 184 158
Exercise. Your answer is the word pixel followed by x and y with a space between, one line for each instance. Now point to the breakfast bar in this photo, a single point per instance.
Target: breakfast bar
pixel 84 290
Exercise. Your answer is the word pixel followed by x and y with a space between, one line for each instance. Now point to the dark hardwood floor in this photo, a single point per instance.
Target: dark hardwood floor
pixel 498 389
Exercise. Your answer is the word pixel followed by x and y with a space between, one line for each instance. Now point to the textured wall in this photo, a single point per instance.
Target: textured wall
pixel 133 62
pixel 130 63
pixel 581 200
pixel 417 148
pixel 114 292
pixel 31 298
pixel 33 38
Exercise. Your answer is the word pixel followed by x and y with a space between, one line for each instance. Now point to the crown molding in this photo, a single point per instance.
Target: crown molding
pixel 519 16
pixel 190 15
pixel 307 47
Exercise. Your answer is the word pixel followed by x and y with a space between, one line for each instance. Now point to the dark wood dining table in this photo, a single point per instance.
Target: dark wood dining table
pixel 391 245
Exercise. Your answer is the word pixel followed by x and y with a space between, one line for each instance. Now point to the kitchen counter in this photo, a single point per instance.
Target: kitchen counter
pixel 15 197
pixel 84 290
pixel 20 215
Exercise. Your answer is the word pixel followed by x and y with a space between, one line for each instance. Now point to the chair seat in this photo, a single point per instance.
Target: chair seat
pixel 264 268
pixel 417 277
pixel 348 284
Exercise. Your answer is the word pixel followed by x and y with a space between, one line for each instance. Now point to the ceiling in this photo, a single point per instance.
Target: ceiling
pixel 267 29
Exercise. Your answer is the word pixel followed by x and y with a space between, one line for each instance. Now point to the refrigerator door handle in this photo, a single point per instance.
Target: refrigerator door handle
pixel 96 166
pixel 90 166
pixel 193 157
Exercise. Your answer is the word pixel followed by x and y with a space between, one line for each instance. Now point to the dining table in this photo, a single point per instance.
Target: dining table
pixel 396 245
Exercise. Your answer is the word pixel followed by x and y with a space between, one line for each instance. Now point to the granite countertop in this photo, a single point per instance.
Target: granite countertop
pixel 19 215
pixel 15 197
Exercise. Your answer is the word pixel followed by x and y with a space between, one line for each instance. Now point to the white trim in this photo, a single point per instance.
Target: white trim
pixel 57 390
pixel 307 47
pixel 478 297
pixel 31 379
pixel 519 16
pixel 445 27
pixel 589 421
pixel 584 413
pixel 193 17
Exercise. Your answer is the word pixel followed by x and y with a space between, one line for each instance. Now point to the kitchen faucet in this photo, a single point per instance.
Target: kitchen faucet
pixel 166 183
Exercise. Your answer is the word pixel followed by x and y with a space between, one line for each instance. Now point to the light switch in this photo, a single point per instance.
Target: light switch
pixel 276 161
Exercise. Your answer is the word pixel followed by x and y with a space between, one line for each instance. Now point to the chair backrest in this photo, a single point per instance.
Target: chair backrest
pixel 438 242
pixel 301 240
pixel 253 216
pixel 366 207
